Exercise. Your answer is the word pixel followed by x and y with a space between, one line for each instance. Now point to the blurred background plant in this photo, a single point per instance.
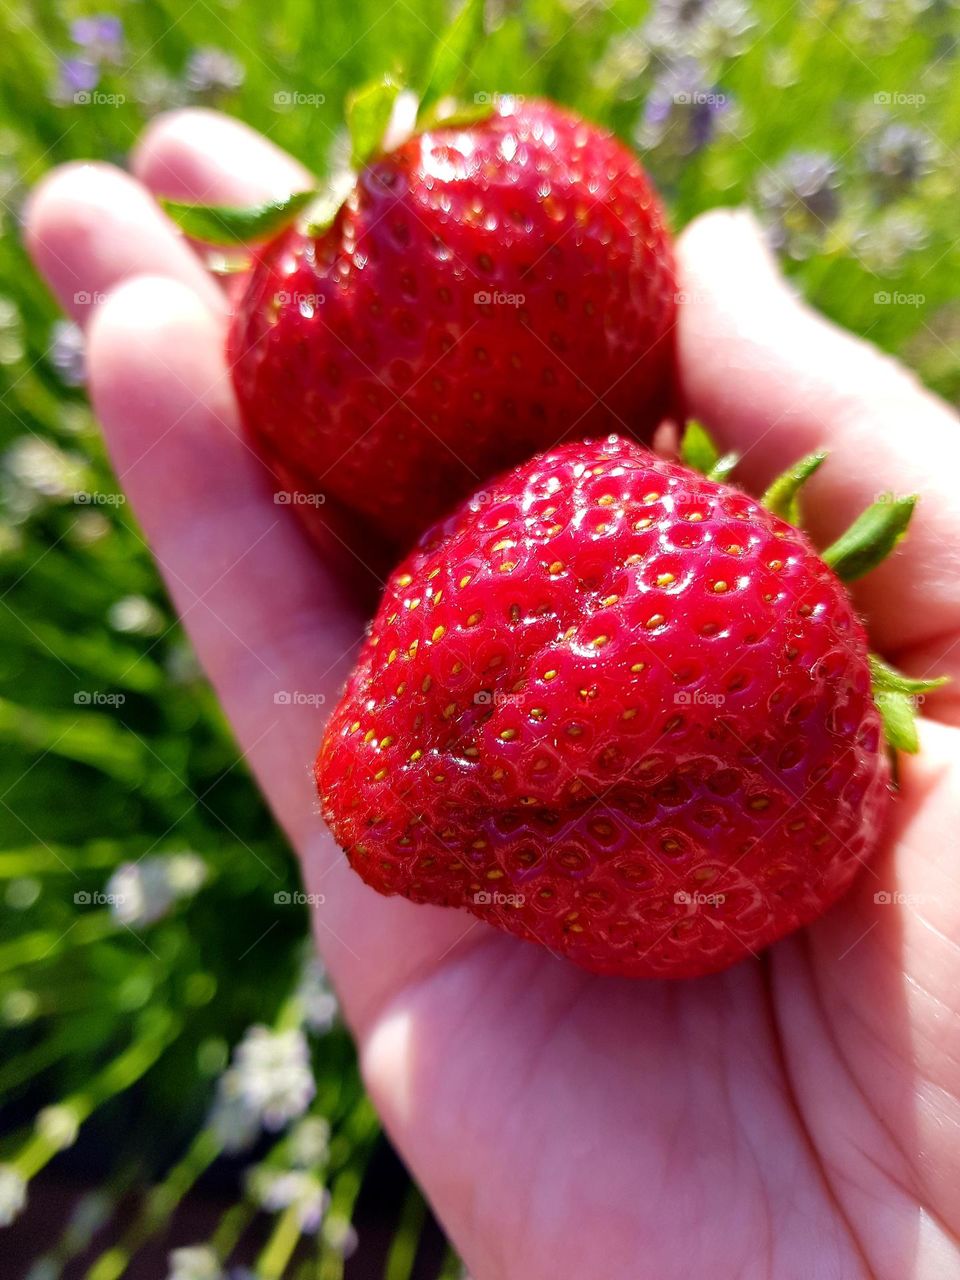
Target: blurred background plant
pixel 177 1096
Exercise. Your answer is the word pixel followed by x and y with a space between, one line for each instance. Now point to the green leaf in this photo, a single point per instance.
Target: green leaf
pixel 889 678
pixel 225 224
pixel 896 696
pixel 453 54
pixel 463 115
pixel 782 497
pixel 899 721
pixel 871 537
pixel 697 449
pixel 368 114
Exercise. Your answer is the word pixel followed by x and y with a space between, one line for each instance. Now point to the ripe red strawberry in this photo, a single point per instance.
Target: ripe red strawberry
pixel 617 708
pixel 485 290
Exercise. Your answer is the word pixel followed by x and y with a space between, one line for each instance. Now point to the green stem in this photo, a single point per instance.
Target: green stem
pixel 360 1130
pixel 406 1242
pixel 29 1064
pixel 46 944
pixel 230 1229
pixel 278 1250
pixel 158 1206
pixel 118 1076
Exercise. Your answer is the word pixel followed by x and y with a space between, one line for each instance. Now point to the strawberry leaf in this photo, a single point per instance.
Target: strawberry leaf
pixel 889 678
pixel 897 697
pixel 871 537
pixel 446 115
pixel 697 449
pixel 899 721
pixel 782 497
pixel 452 55
pixel 228 225
pixel 368 114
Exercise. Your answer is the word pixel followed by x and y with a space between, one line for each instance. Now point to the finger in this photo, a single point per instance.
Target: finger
pixel 209 158
pixel 776 381
pixel 265 615
pixel 90 226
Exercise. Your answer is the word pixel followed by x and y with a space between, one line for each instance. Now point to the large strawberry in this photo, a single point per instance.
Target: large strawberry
pixel 485 290
pixel 621 709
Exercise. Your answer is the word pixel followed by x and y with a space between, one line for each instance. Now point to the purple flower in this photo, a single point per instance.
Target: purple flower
pixel 707 29
pixel 101 37
pixel 213 71
pixel 800 199
pixel 683 110
pixel 76 75
pixel 898 156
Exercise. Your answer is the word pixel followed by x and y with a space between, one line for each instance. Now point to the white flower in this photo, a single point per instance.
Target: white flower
pixel 309 1141
pixel 13 1194
pixel 142 892
pixel 137 616
pixel 340 1235
pixel 234 1124
pixel 186 873
pixel 194 1262
pixel 59 1125
pixel 269 1083
pixel 38 471
pixel 275 1076
pixel 279 1189
pixel 318 1002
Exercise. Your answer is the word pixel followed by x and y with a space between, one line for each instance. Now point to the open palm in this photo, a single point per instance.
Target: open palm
pixel 795 1117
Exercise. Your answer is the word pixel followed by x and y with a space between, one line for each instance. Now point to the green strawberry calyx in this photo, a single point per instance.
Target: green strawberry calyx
pixel 863 546
pixel 369 114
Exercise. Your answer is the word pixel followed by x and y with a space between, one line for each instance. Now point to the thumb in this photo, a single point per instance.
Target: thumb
pixel 774 380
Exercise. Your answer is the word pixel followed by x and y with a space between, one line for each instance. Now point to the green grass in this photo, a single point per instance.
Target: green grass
pixel 86 786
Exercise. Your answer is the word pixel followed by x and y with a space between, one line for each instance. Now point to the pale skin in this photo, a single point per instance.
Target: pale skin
pixel 797 1116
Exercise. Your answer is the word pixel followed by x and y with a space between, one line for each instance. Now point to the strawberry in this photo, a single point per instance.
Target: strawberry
pixel 621 709
pixel 484 290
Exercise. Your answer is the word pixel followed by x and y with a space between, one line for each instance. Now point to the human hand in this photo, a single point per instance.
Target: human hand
pixel 793 1116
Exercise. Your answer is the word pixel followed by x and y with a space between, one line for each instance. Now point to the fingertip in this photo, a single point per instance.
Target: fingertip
pixel 205 156
pixel 155 356
pixel 91 226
